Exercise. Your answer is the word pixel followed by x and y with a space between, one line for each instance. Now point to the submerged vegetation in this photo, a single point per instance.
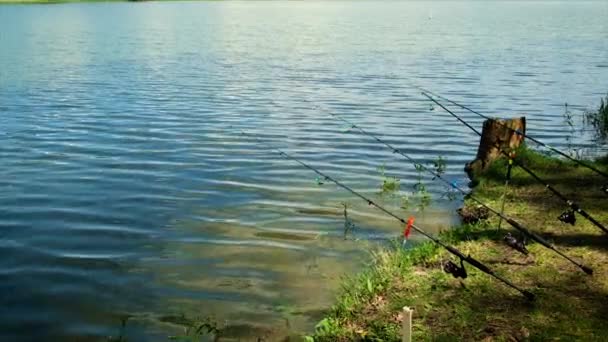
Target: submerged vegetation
pixel 569 305
pixel 419 196
pixel 598 119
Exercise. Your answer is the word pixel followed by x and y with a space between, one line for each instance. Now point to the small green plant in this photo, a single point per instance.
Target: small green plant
pixel 390 184
pixel 349 226
pixel 569 121
pixel 598 119
pixel 440 166
pixel 423 195
pixel 425 201
pixel 405 202
pixel 369 285
pixel 568 118
pixel 327 327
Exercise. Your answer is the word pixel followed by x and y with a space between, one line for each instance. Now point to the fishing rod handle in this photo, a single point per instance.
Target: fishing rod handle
pixel 570 203
pixel 531 234
pixel 454 251
pixel 477 264
pixel 539 239
pixel 483 268
pixel 590 218
pixel 529 295
pixel 587 270
pixel 480 266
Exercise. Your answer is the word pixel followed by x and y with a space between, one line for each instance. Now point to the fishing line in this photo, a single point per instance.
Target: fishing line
pixel 574 207
pixel 511 222
pixel 470 260
pixel 590 167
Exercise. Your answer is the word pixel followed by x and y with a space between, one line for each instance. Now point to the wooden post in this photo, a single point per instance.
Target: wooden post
pixel 495 133
pixel 406 324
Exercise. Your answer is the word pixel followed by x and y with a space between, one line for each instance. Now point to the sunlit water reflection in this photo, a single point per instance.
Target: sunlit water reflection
pixel 126 189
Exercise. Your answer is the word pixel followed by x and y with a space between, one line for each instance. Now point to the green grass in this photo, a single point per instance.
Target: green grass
pixel 570 305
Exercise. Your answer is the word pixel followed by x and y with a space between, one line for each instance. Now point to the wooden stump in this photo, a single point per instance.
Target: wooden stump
pixel 493 136
pixel 473 214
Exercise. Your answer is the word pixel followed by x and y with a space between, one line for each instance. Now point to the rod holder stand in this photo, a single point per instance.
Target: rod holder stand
pixel 406 325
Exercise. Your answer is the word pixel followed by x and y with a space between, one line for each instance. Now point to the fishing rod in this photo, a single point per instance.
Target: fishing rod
pixel 567 217
pixel 509 220
pixel 577 161
pixel 510 240
pixel 449 267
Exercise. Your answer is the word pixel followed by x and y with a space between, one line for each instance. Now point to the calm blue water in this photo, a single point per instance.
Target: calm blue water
pixel 127 192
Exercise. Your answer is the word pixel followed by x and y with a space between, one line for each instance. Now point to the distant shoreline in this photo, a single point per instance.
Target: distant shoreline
pixel 17 2
pixel 35 2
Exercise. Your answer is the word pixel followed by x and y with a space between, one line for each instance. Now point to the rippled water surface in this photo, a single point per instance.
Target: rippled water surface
pixel 127 191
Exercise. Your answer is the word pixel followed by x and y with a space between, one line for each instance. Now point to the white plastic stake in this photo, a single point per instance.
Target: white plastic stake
pixel 406 324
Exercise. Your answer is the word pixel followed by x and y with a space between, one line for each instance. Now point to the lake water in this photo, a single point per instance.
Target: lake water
pixel 126 190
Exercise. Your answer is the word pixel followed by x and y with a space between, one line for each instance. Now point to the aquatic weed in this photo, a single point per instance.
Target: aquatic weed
pixel 598 119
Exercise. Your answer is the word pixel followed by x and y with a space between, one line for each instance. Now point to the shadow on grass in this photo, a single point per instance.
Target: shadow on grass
pixel 599 242
pixel 565 308
pixel 488 232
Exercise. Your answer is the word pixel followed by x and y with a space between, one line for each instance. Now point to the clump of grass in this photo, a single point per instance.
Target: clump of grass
pixel 391 185
pixel 368 288
pixel 419 196
pixel 598 119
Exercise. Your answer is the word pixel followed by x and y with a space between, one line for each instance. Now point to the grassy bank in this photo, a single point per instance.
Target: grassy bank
pixel 570 305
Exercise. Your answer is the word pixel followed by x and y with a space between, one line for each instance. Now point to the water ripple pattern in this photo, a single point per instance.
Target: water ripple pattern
pixel 127 192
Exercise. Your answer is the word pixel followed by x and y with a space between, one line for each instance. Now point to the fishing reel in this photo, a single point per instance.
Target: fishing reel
pixel 518 245
pixel 455 270
pixel 568 217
